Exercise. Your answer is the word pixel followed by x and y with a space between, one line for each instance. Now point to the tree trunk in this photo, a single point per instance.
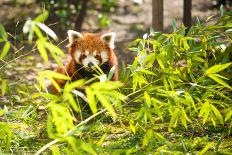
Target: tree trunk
pixel 157 15
pixel 187 13
pixel 82 14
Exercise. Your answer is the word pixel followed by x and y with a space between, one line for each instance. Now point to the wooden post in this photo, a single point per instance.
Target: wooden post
pixel 157 15
pixel 187 13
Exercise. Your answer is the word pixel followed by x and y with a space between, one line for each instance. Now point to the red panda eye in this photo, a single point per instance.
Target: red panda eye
pixel 84 56
pixel 97 56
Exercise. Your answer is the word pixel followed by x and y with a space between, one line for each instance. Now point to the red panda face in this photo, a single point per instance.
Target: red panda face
pixel 90 49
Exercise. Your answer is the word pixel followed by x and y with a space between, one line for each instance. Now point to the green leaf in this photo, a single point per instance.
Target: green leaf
pixel 217 114
pixel 2 112
pixel 72 101
pixel 42 17
pixel 228 115
pixel 206 148
pixel 57 75
pixel 5 135
pixel 37 32
pixel 217 68
pixel 55 150
pixel 42 49
pixel 174 25
pixel 91 100
pixel 88 148
pixel 174 119
pixel 4 87
pixel 111 73
pixel 76 84
pixel 105 103
pixel 220 81
pixel 55 49
pixel 147 72
pixel 132 126
pixel 199 59
pixel 160 62
pixel 54 83
pixel 3 34
pixel 107 85
pixel 5 50
pixel 204 112
pixel 147 99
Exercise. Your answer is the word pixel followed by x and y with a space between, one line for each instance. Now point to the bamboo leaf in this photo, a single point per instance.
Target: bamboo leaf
pixel 217 68
pixel 217 114
pixel 220 81
pixel 55 49
pixel 72 101
pixel 55 84
pixel 57 75
pixel 5 50
pixel 42 49
pixel 76 84
pixel 111 73
pixel 174 119
pixel 3 34
pixel 105 103
pixel 91 100
pixel 107 85
pixel 147 99
pixel 42 17
pixel 4 87
pixel 228 115
pixel 206 148
pixel 47 30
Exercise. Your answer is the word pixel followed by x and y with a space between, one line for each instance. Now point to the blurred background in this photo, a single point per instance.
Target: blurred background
pixel 128 18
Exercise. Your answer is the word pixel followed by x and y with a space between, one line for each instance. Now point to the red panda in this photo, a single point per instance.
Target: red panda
pixel 87 50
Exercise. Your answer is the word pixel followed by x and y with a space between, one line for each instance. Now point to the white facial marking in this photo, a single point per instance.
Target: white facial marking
pixel 94 53
pixel 77 55
pixel 90 59
pixel 86 52
pixel 104 56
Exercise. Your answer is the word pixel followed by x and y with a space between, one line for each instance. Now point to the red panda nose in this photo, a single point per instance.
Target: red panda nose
pixel 90 64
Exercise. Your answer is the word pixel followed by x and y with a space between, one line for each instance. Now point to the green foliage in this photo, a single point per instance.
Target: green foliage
pixel 176 100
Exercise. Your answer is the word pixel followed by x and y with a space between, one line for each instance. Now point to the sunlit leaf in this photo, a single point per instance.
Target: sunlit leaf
pixel 220 81
pixel 42 17
pixel 4 87
pixel 217 113
pixel 55 49
pixel 76 84
pixel 72 101
pixel 3 34
pixel 147 99
pixel 42 49
pixel 228 115
pixel 5 50
pixel 91 100
pixel 57 75
pixel 217 68
pixel 206 148
pixel 105 103
pixel 49 31
pixel 111 73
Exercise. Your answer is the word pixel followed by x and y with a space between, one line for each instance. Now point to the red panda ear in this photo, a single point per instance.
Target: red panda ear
pixel 109 38
pixel 74 36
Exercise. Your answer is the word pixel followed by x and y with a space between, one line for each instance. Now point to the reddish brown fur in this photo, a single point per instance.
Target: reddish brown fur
pixel 92 42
